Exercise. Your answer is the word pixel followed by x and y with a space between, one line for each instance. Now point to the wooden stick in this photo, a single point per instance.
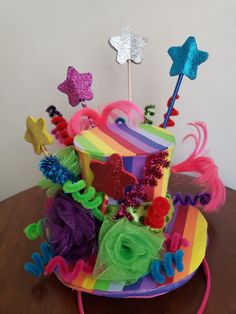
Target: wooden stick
pixel 129 81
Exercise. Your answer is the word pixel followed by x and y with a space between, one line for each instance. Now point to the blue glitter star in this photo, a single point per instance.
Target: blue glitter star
pixel 186 59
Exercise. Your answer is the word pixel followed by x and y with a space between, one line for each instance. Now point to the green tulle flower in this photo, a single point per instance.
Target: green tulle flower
pixel 125 251
pixel 69 159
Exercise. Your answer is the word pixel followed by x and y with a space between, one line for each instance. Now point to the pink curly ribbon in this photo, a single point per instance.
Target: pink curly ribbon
pixel 207 171
pixel 64 272
pixel 74 126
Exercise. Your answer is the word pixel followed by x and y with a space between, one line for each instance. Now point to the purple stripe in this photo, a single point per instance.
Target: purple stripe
pixel 131 139
pixel 141 137
pixel 169 227
pixel 138 165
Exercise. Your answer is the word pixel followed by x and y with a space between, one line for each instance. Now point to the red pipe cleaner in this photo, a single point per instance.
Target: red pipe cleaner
pixel 174 112
pixel 60 131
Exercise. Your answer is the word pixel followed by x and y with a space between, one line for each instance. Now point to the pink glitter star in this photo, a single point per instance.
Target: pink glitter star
pixel 77 86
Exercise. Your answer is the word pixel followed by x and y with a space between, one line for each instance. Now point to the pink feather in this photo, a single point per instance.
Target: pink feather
pixel 74 125
pixel 208 177
pixel 125 106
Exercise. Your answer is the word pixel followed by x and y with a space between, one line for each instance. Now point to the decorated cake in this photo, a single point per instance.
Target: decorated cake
pixel 110 226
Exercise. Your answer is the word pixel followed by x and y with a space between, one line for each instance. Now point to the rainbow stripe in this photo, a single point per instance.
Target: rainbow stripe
pixel 134 144
pixel 191 224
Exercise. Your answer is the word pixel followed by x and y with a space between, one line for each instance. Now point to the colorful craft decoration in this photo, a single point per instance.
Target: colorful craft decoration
pixel 37 135
pixel 127 107
pixel 88 198
pixel 157 212
pixel 73 229
pixel 160 269
pixel 208 177
pixel 34 230
pixel 68 158
pixel 174 241
pixel 58 263
pixel 52 111
pixel 199 198
pixel 186 60
pixel 129 48
pixel 39 261
pixel 110 177
pixel 174 112
pixel 54 171
pixel 77 86
pixel 149 112
pixel 110 225
pixel 125 251
pixel 60 131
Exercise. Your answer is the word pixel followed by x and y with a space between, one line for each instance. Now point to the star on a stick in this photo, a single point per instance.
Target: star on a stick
pixel 110 177
pixel 77 86
pixel 129 46
pixel 36 134
pixel 186 59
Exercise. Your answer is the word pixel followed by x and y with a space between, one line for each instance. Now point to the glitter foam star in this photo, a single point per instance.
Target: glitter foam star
pixel 77 86
pixel 36 134
pixel 129 46
pixel 186 59
pixel 110 177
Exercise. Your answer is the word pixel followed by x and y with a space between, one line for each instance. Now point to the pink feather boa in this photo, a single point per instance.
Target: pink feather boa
pixel 75 126
pixel 208 177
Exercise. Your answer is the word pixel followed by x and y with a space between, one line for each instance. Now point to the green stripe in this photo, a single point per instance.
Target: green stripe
pixel 101 285
pixel 168 137
pixel 87 146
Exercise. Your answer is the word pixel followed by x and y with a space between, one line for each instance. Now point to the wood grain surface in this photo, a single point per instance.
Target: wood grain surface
pixel 21 293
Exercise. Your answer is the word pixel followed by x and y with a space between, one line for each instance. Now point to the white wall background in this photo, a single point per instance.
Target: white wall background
pixel 39 39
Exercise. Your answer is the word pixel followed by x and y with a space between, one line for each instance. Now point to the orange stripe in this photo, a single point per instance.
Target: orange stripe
pixel 189 234
pixel 78 282
pixel 111 142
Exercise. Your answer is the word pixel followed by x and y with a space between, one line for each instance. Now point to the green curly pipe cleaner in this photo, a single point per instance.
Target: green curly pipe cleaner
pixel 69 159
pixel 149 112
pixel 89 198
pixel 34 230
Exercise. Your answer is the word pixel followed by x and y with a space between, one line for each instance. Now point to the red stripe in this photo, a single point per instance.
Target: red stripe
pixel 180 220
pixel 122 141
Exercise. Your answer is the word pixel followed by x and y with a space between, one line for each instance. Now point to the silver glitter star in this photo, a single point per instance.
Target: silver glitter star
pixel 129 46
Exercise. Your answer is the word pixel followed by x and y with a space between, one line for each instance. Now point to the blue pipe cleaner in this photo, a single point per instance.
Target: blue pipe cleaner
pixel 53 170
pixel 40 261
pixel 166 267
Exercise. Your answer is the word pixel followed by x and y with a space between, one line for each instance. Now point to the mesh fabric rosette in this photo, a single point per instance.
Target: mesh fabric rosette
pixel 125 251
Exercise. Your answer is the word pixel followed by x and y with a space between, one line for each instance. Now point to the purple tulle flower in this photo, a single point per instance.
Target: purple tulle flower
pixel 73 229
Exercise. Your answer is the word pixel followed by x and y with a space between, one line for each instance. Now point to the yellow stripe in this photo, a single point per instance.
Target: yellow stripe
pixel 107 150
pixel 87 172
pixel 112 143
pixel 199 244
pixel 89 282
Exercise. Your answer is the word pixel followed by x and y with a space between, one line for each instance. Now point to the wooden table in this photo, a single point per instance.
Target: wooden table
pixel 22 293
